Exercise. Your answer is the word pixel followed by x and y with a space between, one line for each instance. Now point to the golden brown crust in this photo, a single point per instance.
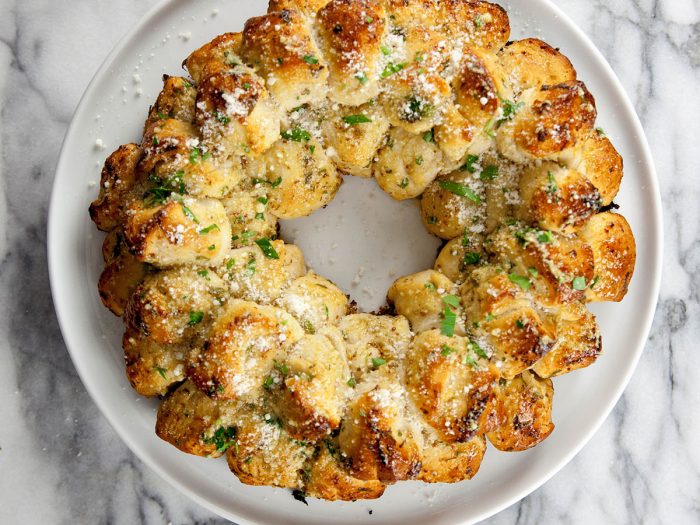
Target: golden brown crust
pixel 554 119
pixel 450 384
pixel 453 462
pixel 233 361
pixel 352 33
pixel 532 63
pixel 279 46
pixel 328 479
pixel 223 49
pixel 176 101
pixel 556 198
pixel 578 343
pixel 376 438
pixel 151 367
pixel 602 165
pixel 614 254
pixel 526 402
pixel 186 418
pixel 118 177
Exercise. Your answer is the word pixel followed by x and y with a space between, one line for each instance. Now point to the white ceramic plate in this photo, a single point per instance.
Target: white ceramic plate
pixel 338 242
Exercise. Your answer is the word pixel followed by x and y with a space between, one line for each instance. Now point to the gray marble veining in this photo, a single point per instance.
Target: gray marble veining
pixel 60 462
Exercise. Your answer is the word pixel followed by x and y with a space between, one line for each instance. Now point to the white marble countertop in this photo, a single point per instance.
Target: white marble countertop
pixel 60 462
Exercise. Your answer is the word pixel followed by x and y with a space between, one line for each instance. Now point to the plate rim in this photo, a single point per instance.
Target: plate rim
pixel 135 447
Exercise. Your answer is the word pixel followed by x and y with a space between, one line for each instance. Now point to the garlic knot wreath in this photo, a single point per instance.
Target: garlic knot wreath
pixel 256 357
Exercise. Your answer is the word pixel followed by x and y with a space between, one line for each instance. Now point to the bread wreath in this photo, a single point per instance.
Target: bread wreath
pixel 256 357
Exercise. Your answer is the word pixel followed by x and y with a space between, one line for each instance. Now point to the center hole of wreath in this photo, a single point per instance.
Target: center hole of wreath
pixel 363 241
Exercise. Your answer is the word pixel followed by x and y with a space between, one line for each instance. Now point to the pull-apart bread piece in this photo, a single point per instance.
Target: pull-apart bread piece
pixel 262 361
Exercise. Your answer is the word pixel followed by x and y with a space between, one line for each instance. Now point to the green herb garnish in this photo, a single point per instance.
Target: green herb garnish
pixel 195 318
pixel 471 258
pixel 523 282
pixel 354 120
pixel 469 164
pixel 296 134
pixel 209 229
pixel 478 350
pixel 188 213
pixel 447 350
pixel 220 117
pixel 267 248
pixel 223 438
pixel 378 361
pixel 451 300
pixel 579 283
pixel 490 172
pixel 460 190
pixel 392 69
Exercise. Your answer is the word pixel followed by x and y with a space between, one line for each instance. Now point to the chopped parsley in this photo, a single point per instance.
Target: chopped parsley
pixel 471 258
pixel 510 109
pixel 551 183
pixel 579 283
pixel 296 134
pixel 404 183
pixel 469 164
pixel 354 120
pixel 161 371
pixel 460 190
pixel 209 229
pixel 273 183
pixel 519 323
pixel 544 237
pixel 195 318
pixel 474 346
pixel 451 300
pixel 188 213
pixel 392 69
pixel 196 154
pixel 308 327
pixel 430 286
pixel 378 361
pixel 251 265
pixel 429 136
pixel 223 438
pixel 310 59
pixel 267 248
pixel 352 383
pixel 220 117
pixel 523 282
pixel 490 172
pixel 447 350
pixel 282 368
pixel 449 317
pixel 362 78
pixel 164 188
